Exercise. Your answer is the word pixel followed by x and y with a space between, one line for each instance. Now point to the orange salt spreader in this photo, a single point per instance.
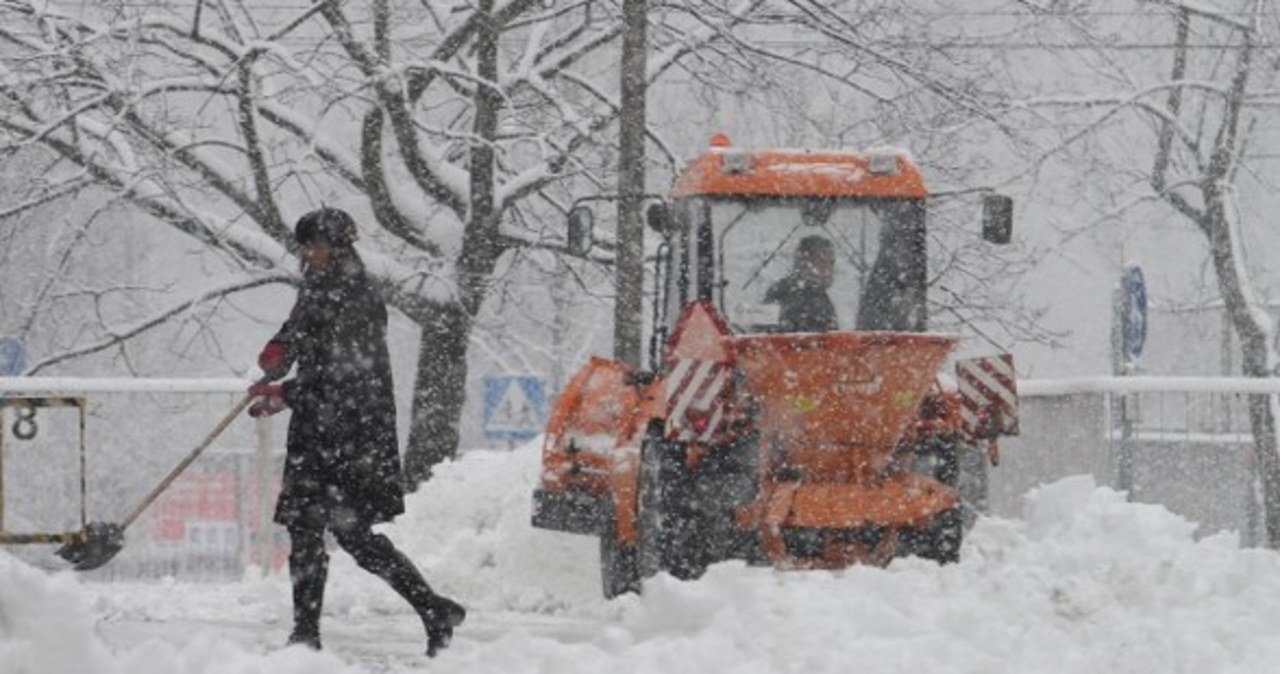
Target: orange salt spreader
pixel 795 412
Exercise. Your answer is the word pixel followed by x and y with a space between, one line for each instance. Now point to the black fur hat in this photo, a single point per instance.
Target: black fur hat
pixel 329 225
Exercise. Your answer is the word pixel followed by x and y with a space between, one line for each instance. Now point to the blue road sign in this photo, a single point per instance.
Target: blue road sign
pixel 515 407
pixel 1133 314
pixel 13 357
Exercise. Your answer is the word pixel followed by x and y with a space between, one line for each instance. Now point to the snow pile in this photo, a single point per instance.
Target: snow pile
pixel 1088 583
pixel 469 529
pixel 1085 582
pixel 47 626
pixel 45 623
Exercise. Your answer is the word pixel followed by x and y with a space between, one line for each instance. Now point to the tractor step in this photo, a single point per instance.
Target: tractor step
pixel 570 510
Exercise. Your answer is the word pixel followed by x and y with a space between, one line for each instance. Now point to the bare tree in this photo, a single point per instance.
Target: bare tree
pixel 457 134
pixel 1194 172
pixel 452 133
pixel 1156 136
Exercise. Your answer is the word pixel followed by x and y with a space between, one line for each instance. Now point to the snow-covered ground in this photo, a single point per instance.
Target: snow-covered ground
pixel 1083 582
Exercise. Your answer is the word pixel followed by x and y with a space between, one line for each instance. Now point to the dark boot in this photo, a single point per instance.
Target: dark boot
pixel 310 640
pixel 308 569
pixel 440 618
pixel 376 554
pixel 439 614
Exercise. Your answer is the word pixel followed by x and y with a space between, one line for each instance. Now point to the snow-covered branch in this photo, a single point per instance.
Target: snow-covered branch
pixel 121 335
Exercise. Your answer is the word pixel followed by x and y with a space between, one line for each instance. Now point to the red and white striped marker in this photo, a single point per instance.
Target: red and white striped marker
pixel 696 394
pixel 699 374
pixel 988 396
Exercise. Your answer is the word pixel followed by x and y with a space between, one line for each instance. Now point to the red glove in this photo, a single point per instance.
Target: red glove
pixel 270 400
pixel 274 359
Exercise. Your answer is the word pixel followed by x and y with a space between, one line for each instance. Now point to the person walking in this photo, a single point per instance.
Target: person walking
pixel 342 467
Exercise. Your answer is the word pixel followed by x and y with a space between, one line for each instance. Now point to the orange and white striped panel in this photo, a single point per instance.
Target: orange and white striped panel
pixel 988 386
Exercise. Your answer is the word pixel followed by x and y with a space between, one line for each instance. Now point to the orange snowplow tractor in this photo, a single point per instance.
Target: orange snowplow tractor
pixel 839 401
pixel 727 171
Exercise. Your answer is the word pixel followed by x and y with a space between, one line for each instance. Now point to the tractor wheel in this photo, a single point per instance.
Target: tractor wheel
pixel 618 572
pixel 667 531
pixel 959 465
pixel 940 541
pixel 971 480
pixel 726 479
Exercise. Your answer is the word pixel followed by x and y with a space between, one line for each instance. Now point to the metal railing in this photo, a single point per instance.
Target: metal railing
pixel 212 523
pixel 1182 442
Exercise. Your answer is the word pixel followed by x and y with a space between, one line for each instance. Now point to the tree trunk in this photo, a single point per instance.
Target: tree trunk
pixel 1253 344
pixel 1262 423
pixel 440 389
pixel 1215 222
pixel 439 392
pixel 1255 360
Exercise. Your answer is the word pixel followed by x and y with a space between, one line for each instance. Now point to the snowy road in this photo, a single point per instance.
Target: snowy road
pixel 1083 582
pixel 378 642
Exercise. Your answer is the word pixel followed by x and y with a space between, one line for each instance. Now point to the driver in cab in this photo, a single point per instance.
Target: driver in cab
pixel 804 305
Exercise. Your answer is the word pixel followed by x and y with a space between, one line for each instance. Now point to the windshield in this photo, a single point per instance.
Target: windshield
pixel 814 265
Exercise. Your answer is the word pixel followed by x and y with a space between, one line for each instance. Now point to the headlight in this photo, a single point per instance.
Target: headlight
pixel 925 463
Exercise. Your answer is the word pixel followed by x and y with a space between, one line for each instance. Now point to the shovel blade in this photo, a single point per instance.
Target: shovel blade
pixel 93 547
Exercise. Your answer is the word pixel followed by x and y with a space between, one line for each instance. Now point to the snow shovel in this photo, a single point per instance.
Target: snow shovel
pixel 99 542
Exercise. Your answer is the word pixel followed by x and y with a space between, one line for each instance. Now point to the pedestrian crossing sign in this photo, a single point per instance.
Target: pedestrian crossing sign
pixel 515 407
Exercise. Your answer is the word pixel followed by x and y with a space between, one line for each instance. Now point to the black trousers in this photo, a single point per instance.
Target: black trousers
pixel 309 569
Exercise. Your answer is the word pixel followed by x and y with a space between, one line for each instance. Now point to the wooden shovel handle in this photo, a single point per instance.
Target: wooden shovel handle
pixel 195 454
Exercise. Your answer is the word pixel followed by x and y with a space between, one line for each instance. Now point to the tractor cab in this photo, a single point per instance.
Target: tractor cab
pixel 784 263
pixel 799 241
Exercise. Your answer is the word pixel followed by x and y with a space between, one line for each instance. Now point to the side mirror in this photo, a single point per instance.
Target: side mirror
pixel 997 218
pixel 659 218
pixel 579 237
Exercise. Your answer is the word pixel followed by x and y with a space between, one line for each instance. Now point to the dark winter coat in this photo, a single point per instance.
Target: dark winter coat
pixel 343 457
pixel 805 306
